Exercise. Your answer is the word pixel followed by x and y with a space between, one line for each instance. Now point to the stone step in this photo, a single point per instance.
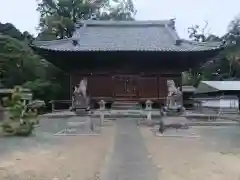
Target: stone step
pixel 124 105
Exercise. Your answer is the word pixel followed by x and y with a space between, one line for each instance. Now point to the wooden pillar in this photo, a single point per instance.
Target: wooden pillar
pixel 158 86
pixel 53 106
pixel 113 86
pixel 70 86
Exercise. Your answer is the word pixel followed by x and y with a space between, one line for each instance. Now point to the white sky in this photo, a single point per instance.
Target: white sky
pixel 218 13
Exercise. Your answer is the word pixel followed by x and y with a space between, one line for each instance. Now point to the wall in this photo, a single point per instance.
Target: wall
pixel 221 103
pixel 148 86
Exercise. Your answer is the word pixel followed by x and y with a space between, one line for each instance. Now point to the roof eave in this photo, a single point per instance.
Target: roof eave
pixel 123 50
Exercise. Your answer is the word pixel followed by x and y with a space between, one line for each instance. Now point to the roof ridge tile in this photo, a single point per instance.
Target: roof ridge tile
pixel 124 23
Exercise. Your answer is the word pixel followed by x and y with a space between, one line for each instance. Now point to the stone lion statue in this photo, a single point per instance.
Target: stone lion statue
pixel 172 90
pixel 82 88
pixel 174 94
pixel 80 98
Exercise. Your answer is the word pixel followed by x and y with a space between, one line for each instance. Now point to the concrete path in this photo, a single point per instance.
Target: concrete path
pixel 129 158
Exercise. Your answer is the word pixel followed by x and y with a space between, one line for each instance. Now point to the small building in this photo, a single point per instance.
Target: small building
pixel 126 60
pixel 218 94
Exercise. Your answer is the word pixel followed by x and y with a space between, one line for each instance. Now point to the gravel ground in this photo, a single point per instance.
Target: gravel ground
pixel 43 156
pixel 47 157
pixel 215 156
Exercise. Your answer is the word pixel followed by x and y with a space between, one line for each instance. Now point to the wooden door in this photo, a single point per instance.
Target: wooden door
pixel 100 85
pixel 149 87
pixel 125 86
pixel 163 89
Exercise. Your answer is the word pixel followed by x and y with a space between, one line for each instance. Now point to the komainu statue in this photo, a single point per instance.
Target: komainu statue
pixel 83 87
pixel 174 98
pixel 80 99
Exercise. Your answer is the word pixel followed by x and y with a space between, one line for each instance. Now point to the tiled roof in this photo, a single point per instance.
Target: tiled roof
pixel 93 35
pixel 214 86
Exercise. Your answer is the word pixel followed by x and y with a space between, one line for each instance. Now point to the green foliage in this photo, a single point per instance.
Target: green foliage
pixel 58 17
pixel 10 30
pixel 17 129
pixel 16 57
pixel 21 119
pixel 20 65
pixel 44 90
pixel 227 65
pixel 14 104
pixel 122 10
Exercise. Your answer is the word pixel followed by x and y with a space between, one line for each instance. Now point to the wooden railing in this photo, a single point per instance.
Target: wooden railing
pixel 59 105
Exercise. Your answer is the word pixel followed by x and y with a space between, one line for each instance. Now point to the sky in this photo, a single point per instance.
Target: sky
pixel 218 13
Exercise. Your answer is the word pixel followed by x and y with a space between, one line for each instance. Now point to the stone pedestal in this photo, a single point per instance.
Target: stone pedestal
pixel 149 116
pixel 81 112
pixel 53 106
pixel 81 102
pixel 84 125
pixel 80 105
pixel 102 108
pixel 101 118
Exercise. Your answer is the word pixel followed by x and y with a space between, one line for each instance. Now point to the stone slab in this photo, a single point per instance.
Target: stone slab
pixel 76 132
pixel 178 133
pixel 80 126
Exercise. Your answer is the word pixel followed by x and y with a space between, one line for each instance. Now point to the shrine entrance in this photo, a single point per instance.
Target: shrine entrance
pixel 125 86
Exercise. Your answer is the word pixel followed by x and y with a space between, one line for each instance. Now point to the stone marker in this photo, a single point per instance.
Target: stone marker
pixel 148 105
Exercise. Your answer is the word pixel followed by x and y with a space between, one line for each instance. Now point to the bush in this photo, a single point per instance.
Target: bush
pixel 25 129
pixel 22 117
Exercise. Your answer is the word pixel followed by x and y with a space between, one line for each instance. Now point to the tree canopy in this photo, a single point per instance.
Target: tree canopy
pixel 58 17
pixel 226 66
pixel 19 65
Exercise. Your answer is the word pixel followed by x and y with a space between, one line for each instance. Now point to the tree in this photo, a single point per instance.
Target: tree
pixel 10 30
pixel 198 34
pixel 123 10
pixel 232 37
pixel 232 52
pixel 212 69
pixel 20 65
pixel 42 89
pixel 58 17
pixel 227 65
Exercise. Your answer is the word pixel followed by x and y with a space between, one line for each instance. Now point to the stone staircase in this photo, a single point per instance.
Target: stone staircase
pixel 125 105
